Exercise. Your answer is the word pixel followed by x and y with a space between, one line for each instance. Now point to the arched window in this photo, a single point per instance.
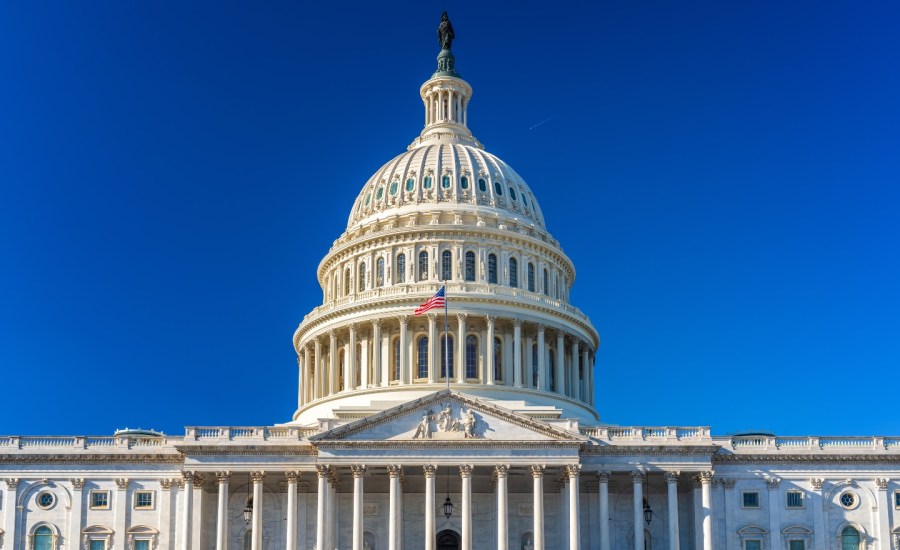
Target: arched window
pixel 446 353
pixel 396 372
pixel 546 286
pixel 401 268
pixel 498 359
pixel 464 182
pixel 446 265
pixel 471 357
pixel 423 265
pixel 513 272
pixel 347 282
pixel 530 277
pixel 492 268
pixel 482 185
pixel 470 266
pixel 379 272
pixel 498 188
pixel 410 184
pixel 445 182
pixel 422 357
pixel 427 184
pixel 42 539
pixel 534 365
pixel 850 539
pixel 362 277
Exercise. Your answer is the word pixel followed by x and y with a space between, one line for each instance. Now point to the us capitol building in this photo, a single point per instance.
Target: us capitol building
pixel 478 431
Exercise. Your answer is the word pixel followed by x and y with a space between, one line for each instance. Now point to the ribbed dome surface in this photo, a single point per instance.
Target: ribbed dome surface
pixel 446 176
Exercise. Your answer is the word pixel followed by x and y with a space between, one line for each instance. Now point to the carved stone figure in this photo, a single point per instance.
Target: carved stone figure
pixel 469 423
pixel 445 32
pixel 528 545
pixel 446 422
pixel 423 431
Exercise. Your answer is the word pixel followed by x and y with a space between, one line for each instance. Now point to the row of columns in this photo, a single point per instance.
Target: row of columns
pixel 445 105
pixel 572 365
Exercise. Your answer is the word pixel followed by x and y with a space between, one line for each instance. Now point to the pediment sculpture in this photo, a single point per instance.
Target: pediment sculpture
pixel 467 425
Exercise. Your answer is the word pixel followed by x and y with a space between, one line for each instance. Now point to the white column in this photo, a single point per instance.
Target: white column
pixel 528 363
pixel 317 370
pixel 542 360
pixel 10 512
pixel 706 502
pixel 222 517
pixel 307 390
pixel 672 485
pixel 559 368
pixel 121 510
pixel 586 387
pixel 77 506
pixel 404 351
pixel 185 523
pixel 331 509
pixel 574 384
pixel 564 510
pixel 333 377
pixel 379 380
pixel 301 379
pixel 358 473
pixel 433 347
pixel 430 470
pixel 394 473
pixel 698 512
pixel 291 522
pixel 573 471
pixel 638 478
pixel 502 512
pixel 508 358
pixel 774 505
pixel 350 362
pixel 815 500
pixel 489 349
pixel 322 474
pixel 537 474
pixel 517 353
pixel 461 348
pixel 603 486
pixel 465 472
pixel 364 380
pixel 257 536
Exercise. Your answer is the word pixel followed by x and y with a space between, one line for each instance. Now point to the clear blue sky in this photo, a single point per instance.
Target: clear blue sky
pixel 171 173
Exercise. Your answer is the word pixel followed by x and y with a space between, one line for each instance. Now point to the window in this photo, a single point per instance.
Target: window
pixel 530 277
pixel 397 359
pixel 423 266
pixel 362 277
pixel 368 198
pixel 513 272
pixel 410 184
pixel 46 500
pixel 100 500
pixel 446 265
pixel 551 369
pixel 379 272
pixel 752 545
pixel 534 366
pixel 849 539
pixel 546 286
pixel 464 182
pixel 897 499
pixel 512 193
pixel 525 201
pixel 796 545
pixel 379 193
pixel 394 186
pixel 401 268
pixel 143 500
pixel 347 282
pixel 492 268
pixel 445 353
pixel 98 545
pixel 498 359
pixel 795 499
pixel 470 266
pixel 482 185
pixel 498 189
pixel 427 184
pixel 471 357
pixel 422 357
pixel 848 500
pixel 142 545
pixel 42 539
pixel 751 499
pixel 445 182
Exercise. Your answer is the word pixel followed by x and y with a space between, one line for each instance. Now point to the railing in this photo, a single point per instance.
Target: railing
pixel 653 434
pixel 248 433
pixel 813 443
pixel 81 442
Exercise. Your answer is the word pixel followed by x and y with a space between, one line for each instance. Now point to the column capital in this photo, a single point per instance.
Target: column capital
pixel 603 476
pixel 78 484
pixel 465 470
pixel 671 477
pixel 12 482
pixel 165 484
pixel 430 470
pixel 817 483
pixel 352 328
pixel 395 470
pixel 637 476
pixel 705 477
pixel 258 477
pixel 695 481
pixel 573 471
pixel 322 471
pixel 332 335
pixel 729 483
pixel 199 480
pixel 376 324
pixel 432 317
pixel 540 327
pixel 517 323
pixel 403 319
pixel 491 319
pixel 502 470
pixel 223 477
pixel 292 476
pixel 187 477
pixel 537 470
pixel 461 316
pixel 358 470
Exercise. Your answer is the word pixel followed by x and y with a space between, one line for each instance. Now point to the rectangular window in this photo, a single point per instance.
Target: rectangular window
pixel 142 545
pixel 797 545
pixel 751 499
pixel 100 500
pixel 98 545
pixel 143 500
pixel 795 499
pixel 752 545
pixel 897 499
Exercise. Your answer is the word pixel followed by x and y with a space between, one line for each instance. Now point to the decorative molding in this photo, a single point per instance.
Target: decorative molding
pixel 223 477
pixel 465 470
pixel 78 484
pixel 882 483
pixel 258 477
pixel 772 482
pixel 122 483
pixel 537 470
pixel 430 470
pixel 395 470
pixel 322 470
pixel 817 483
pixel 706 476
pixel 358 470
pixel 603 476
pixel 501 470
pixel 671 477
pixel 186 477
pixel 199 480
pixel 292 476
pixel 573 471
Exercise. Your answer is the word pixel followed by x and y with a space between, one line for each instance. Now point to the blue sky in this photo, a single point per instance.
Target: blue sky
pixel 171 173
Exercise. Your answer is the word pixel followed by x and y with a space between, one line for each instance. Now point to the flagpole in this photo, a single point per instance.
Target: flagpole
pixel 446 339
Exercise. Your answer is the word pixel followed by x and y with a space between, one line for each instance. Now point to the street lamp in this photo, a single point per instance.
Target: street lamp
pixel 448 504
pixel 648 512
pixel 248 509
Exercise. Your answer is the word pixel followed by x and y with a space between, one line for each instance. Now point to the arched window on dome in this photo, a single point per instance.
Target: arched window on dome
pixel 512 193
pixel 534 365
pixel 513 272
pixel 395 372
pixel 482 185
pixel 423 265
pixel 427 183
pixel 394 185
pixel 498 189
pixel 498 359
pixel 850 539
pixel 42 539
pixel 400 276
pixel 464 182
pixel 545 284
pixel 446 265
pixel 422 357
pixel 379 272
pixel 530 277
pixel 445 182
pixel 347 282
pixel 470 266
pixel 445 352
pixel 492 268
pixel 471 356
pixel 362 276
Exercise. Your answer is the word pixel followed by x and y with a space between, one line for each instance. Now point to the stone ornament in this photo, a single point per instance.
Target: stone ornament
pixel 358 470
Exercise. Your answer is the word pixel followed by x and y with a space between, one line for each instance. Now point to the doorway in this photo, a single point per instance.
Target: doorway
pixel 448 540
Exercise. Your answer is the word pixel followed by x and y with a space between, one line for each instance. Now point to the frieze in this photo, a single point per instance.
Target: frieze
pixel 91 459
pixel 807 459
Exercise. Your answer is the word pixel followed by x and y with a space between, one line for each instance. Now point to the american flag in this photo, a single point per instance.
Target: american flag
pixel 435 301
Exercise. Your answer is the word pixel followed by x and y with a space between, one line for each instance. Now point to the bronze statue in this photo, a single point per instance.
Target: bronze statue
pixel 445 32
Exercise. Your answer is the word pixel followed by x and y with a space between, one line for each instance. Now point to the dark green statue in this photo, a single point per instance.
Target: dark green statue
pixel 445 32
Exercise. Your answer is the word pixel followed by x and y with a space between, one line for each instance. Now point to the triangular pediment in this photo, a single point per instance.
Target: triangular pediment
pixel 446 416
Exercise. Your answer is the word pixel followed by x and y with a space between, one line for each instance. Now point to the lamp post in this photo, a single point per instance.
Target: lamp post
pixel 248 508
pixel 448 504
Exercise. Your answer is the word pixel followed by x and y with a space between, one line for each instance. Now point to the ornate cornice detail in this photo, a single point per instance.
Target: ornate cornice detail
pixel 223 477
pixel 258 477
pixel 603 476
pixel 78 484
pixel 122 483
pixel 187 477
pixel 881 483
pixel 501 470
pixel 729 483
pixel 165 484
pixel 358 470
pixel 395 470
pixel 817 483
pixel 847 460
pixel 199 480
pixel 322 471
pixel 292 476
pixel 671 477
pixel 465 470
pixel 430 470
pixel 773 482
pixel 706 476
pixel 537 470
pixel 80 459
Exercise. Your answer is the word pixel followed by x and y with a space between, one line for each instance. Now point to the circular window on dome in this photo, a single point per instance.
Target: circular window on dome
pixel 394 185
pixel 368 198
pixel 410 184
pixel 464 182
pixel 497 188
pixel 482 185
pixel 848 499
pixel 46 500
pixel 427 184
pixel 512 193
pixel 379 193
pixel 445 182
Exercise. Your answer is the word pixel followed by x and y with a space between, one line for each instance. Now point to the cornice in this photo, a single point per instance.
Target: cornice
pixel 90 459
pixel 805 459
pixel 432 444
pixel 707 451
pixel 254 450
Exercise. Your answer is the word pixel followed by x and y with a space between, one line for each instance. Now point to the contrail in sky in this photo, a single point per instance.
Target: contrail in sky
pixel 542 122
